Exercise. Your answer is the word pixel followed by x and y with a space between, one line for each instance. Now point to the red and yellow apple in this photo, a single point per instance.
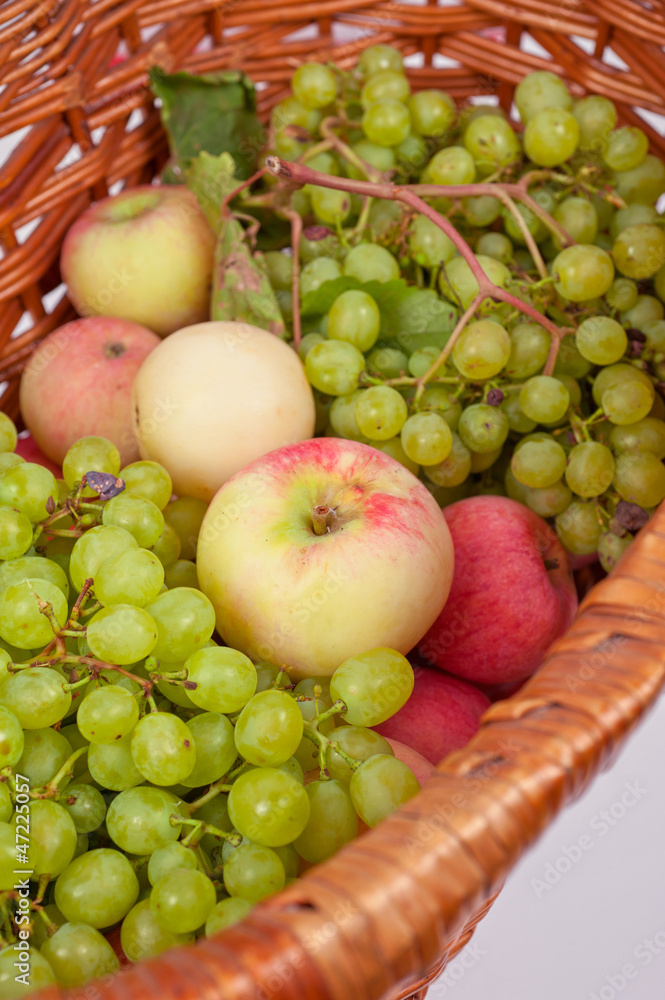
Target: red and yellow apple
pixel 322 550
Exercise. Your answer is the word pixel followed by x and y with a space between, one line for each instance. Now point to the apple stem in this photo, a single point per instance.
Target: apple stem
pixel 323 519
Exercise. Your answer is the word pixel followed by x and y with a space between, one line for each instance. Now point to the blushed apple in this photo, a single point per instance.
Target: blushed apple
pixel 322 550
pixel 512 594
pixel 28 449
pixel 144 255
pixel 441 715
pixel 79 382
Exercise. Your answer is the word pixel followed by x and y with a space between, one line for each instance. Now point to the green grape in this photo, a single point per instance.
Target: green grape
pixel 354 317
pixel 40 976
pixel 495 245
pixel 16 570
pixel 78 953
pixel 604 211
pixel 134 577
pixel 381 157
pixel 73 736
pixel 482 350
pixel 268 806
pixel 36 696
pixel 316 272
pixel 314 85
pixel 379 57
pixel 481 460
pixel 93 548
pixel 386 85
pixel 626 148
pixel 216 813
pixel 481 210
pixel 226 913
pixel 551 137
pixel 167 547
pixel 354 741
pixel 590 469
pixel 308 342
pixel 90 454
pixel 540 90
pixel 631 215
pixel 334 367
pixel 98 888
pixel 182 900
pixel 107 714
pixel 292 112
pixel 492 143
pixel 422 360
pixel 482 427
pixel 383 216
pixel 582 272
pixel 659 283
pixel 647 309
pixel 373 685
pixel 380 412
pixel 387 361
pixel 342 416
pixel 141 518
pixel 579 218
pixel 185 621
pixel 428 244
pixel 643 184
pixel 459 285
pixel 386 123
pixel 538 464
pixel 544 398
pixel 514 489
pixel 627 402
pixel 15 533
pixel 317 691
pixel 379 786
pixel 574 391
pixel 139 819
pixel 442 401
pixel 550 500
pixel 185 516
pixel 149 480
pixel 596 117
pixel 269 728
pixel 611 548
pixel 533 224
pixel 253 872
pixel 112 766
pixel 426 438
pixel 280 273
pixel 8 459
pixel 214 746
pixel 165 859
pixel 330 207
pixel 579 528
pixel 52 838
pixel 647 434
pixel 432 112
pixel 44 751
pixel 638 251
pixel 6 804
pixel 8 859
pixel 622 294
pixel 181 573
pixel 325 163
pixel 163 749
pixel 612 375
pixel 455 469
pixel 529 348
pixel 86 805
pixel 601 340
pixel 123 634
pixel 393 447
pixel 8 433
pixel 332 821
pixel 453 165
pixel 11 738
pixel 370 262
pixel 225 679
pixel 142 937
pixel 569 360
pixel 28 487
pixel 640 478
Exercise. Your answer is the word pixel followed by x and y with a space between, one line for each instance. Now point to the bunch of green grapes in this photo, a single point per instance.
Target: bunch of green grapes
pixel 580 441
pixel 170 782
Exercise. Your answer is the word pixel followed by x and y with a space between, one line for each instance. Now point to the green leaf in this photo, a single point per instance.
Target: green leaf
pixel 214 113
pixel 211 178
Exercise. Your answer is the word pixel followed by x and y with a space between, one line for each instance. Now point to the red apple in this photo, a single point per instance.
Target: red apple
pixel 79 382
pixel 512 594
pixel 421 767
pixel 27 449
pixel 441 715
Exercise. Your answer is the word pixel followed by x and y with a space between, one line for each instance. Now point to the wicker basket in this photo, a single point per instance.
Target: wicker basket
pixel 381 918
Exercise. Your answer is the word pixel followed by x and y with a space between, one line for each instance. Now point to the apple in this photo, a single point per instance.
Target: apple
pixel 441 715
pixel 215 396
pixel 322 550
pixel 79 382
pixel 512 594
pixel 145 255
pixel 421 767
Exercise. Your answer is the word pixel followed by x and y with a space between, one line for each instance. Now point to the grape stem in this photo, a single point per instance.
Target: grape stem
pixel 217 786
pixel 50 790
pixel 296 234
pixel 200 827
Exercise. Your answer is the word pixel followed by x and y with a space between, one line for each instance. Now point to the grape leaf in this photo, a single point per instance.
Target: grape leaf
pixel 215 113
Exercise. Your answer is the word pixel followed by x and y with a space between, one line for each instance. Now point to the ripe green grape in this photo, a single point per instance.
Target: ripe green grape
pixel 8 433
pixel 253 872
pixel 182 900
pixel 36 696
pixel 381 157
pixel 268 806
pixel 647 434
pixel 90 454
pixel 482 427
pixel 185 516
pixel 386 85
pixel 354 317
pixel 492 143
pixel 292 112
pixel 579 528
pixel 77 953
pixel 631 215
pixel 314 85
pixel 142 937
pixel 334 367
pixel 332 821
pixel 422 360
pixel 495 245
pixel 517 419
pixel 11 738
pixel 141 518
pixel 583 272
pixel 538 464
pixel 376 58
pixel 122 634
pixel 482 350
pixel 627 401
pixel 21 622
pixel 455 469
pixel 357 742
pixel 371 262
pixel 590 469
pixel 432 112
pixel 214 746
pixel 216 813
pixel 134 577
pixel 440 400
pixel 393 447
pixel 626 148
pixel 185 621
pixel 308 342
pixel 373 685
pixel 28 487
pixel 85 804
pixel 601 340
pixel 387 361
pixel 163 748
pixel 459 285
pixel 622 294
pixel 612 375
pixel 107 714
pixel 41 974
pixel 16 570
pixel 269 728
pixel 181 573
pixel 225 679
pixel 647 309
pixel 380 412
pixel 639 251
pixel 654 331
pixel 112 766
pixel 149 481
pixel 44 752
pixel 330 206
pixel 226 913
pixel 93 548
pixel 551 137
pixel 428 244
pixel 342 416
pixel 98 888
pixel 596 117
pixel 316 272
pixel 540 90
pixel 611 548
pixel 15 533
pixel 139 820
pixel 426 438
pixel 52 838
pixel 550 500
pixel 165 859
pixel 452 165
pixel 379 786
pixel 481 210
pixel 167 547
pixel 640 478
pixel 544 399
pixel 578 217
pixel 387 122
